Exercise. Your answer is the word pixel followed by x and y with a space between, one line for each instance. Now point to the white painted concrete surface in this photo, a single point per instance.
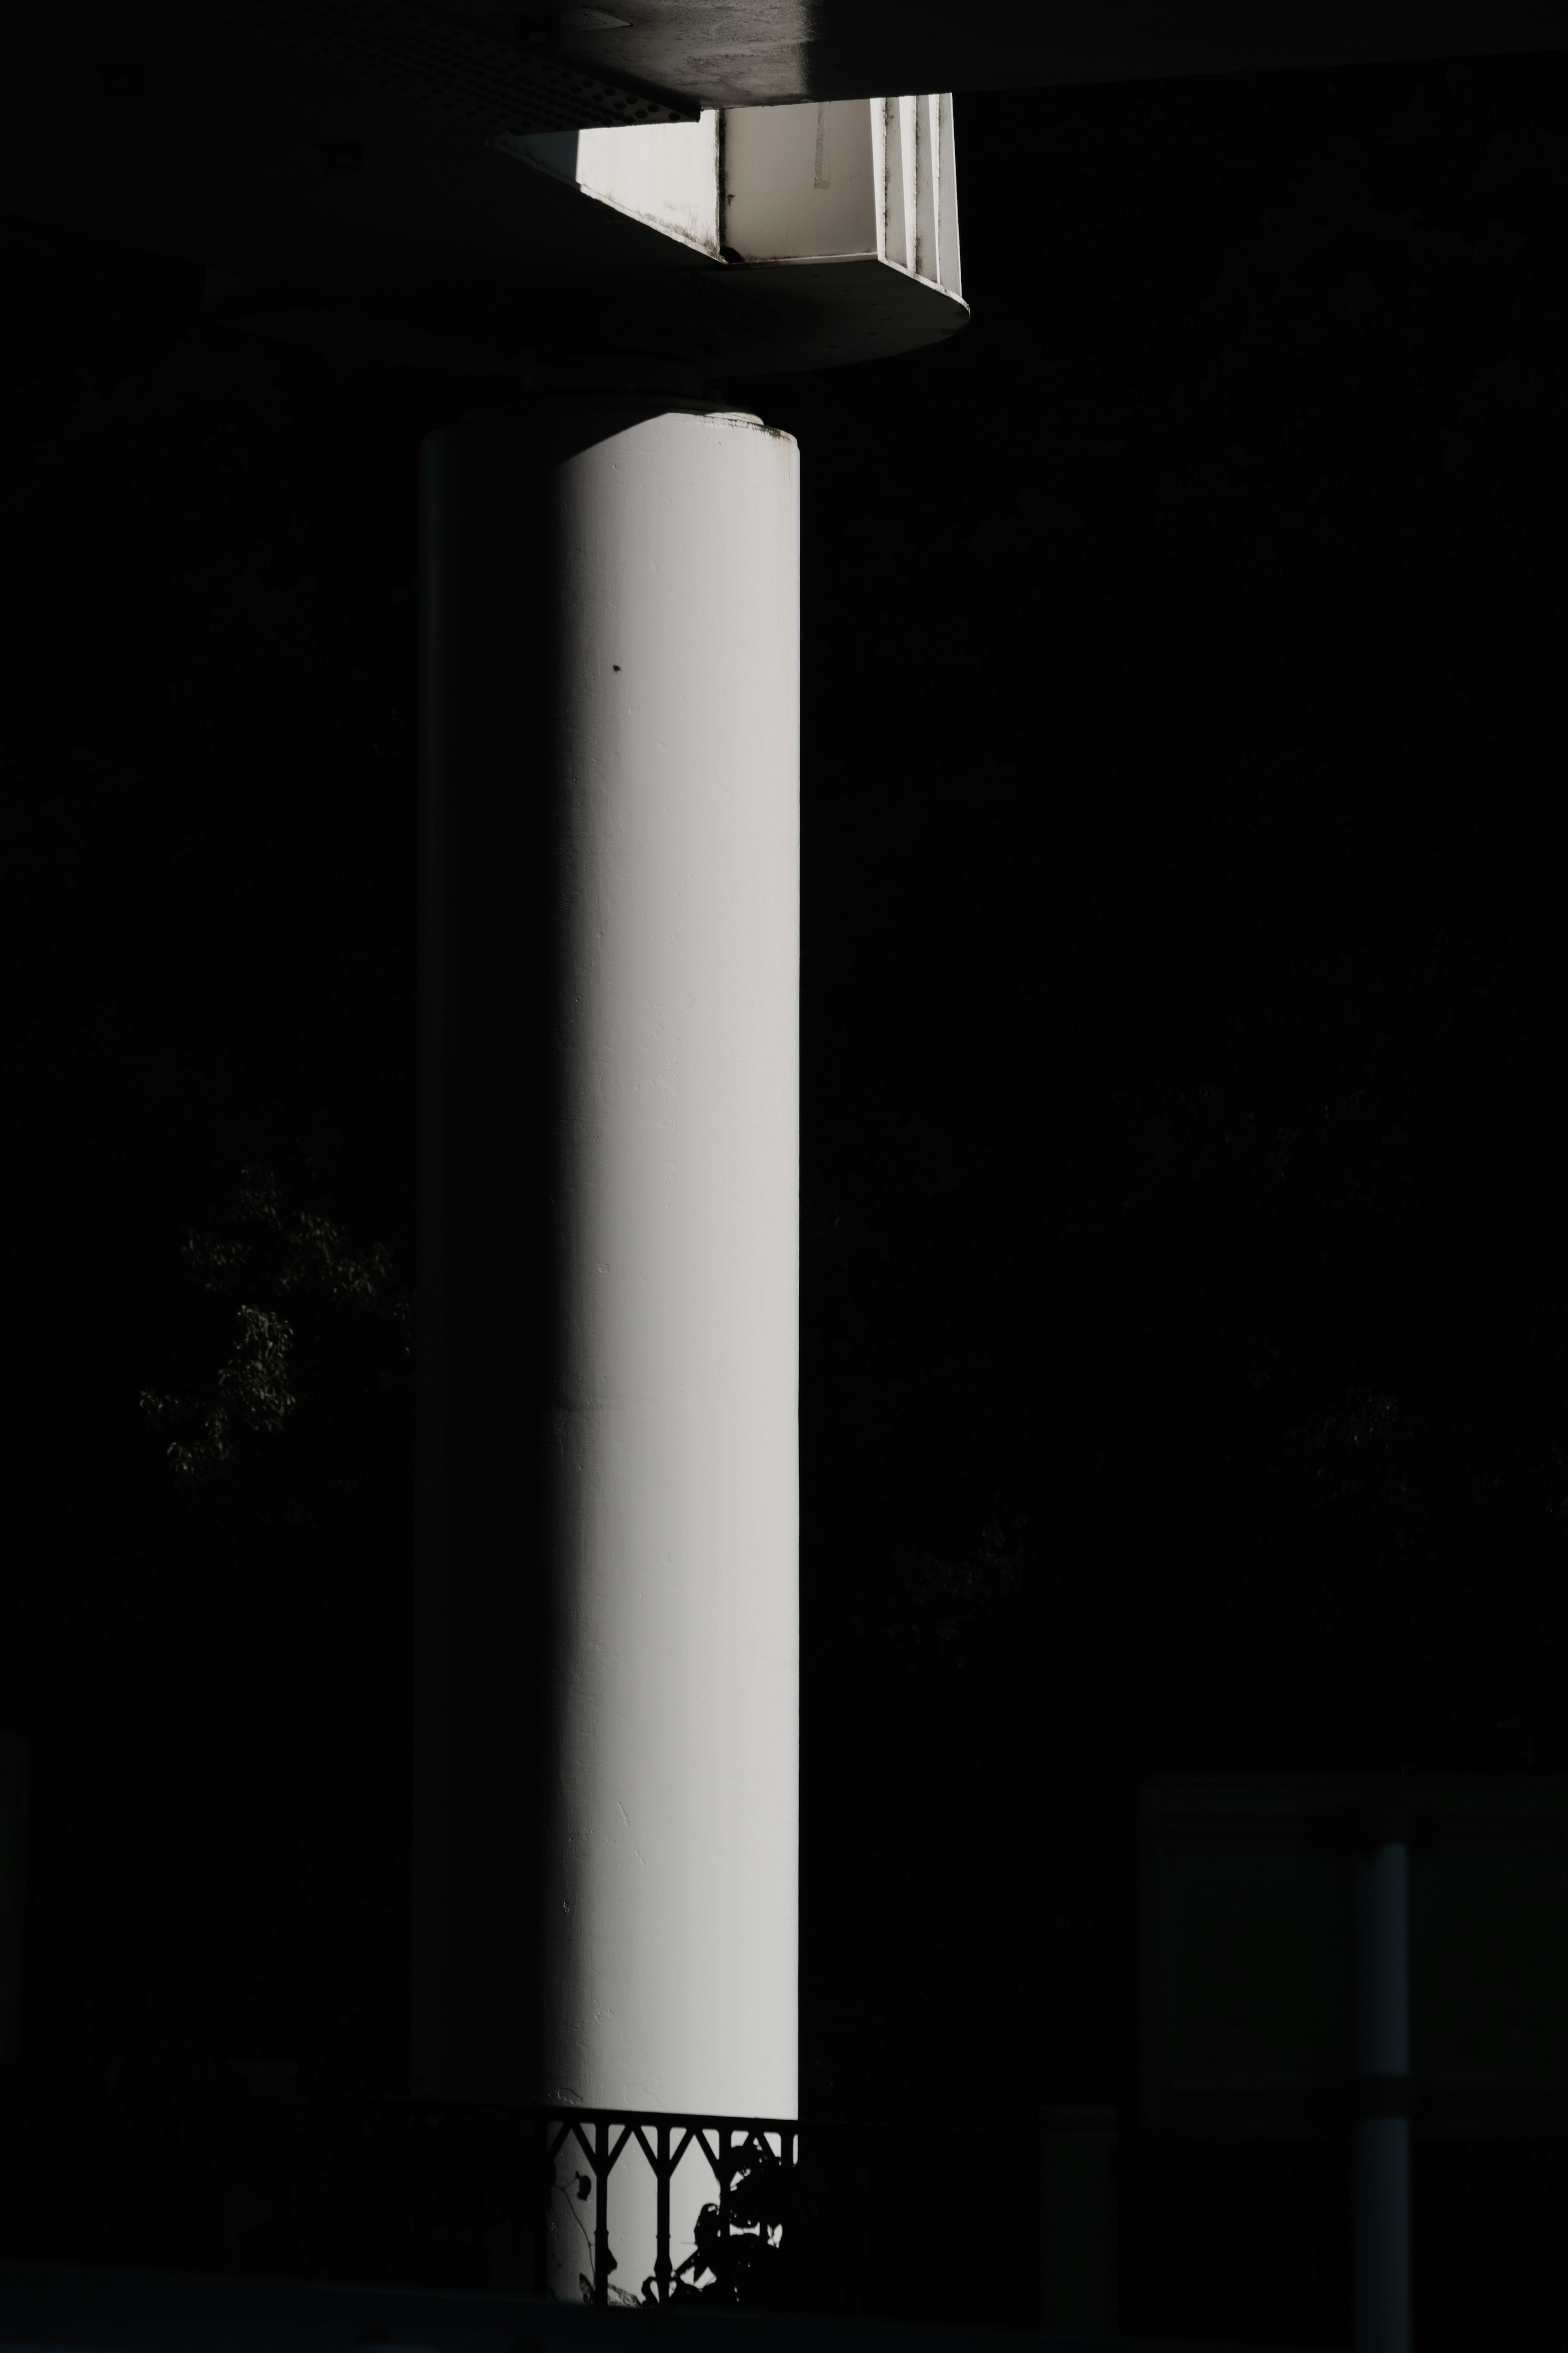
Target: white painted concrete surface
pixel 640 687
pixel 666 175
pixel 798 181
pixel 673 1862
pixel 845 180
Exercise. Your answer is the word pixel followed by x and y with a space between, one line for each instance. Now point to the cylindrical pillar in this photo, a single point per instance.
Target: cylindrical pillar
pixel 1383 2124
pixel 606 1733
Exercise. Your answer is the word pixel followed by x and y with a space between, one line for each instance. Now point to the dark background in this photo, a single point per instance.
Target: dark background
pixel 1184 1313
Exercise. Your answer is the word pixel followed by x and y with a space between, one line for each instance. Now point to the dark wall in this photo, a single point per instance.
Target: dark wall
pixel 1184 1299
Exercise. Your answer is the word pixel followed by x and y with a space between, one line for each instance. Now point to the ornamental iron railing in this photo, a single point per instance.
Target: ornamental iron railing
pixel 735 2232
pixel 930 2220
pixel 798 2216
pixel 246 2174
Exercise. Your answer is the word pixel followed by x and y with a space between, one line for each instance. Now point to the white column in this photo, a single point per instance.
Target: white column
pixel 1382 2069
pixel 606 1753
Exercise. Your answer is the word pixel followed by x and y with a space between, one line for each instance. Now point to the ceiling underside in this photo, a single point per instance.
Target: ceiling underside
pixel 761 52
pixel 352 150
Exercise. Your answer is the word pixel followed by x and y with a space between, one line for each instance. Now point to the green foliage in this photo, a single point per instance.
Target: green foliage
pixel 298 1257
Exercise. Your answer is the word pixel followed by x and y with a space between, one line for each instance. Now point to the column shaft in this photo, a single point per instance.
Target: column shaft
pixel 607 1731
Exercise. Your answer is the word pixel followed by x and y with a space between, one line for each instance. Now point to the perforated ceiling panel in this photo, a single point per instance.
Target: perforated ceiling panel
pixel 496 83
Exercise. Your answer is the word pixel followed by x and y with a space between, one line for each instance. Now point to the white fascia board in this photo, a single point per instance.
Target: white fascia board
pixel 840 180
pixel 846 180
pixel 664 174
pixel 800 181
